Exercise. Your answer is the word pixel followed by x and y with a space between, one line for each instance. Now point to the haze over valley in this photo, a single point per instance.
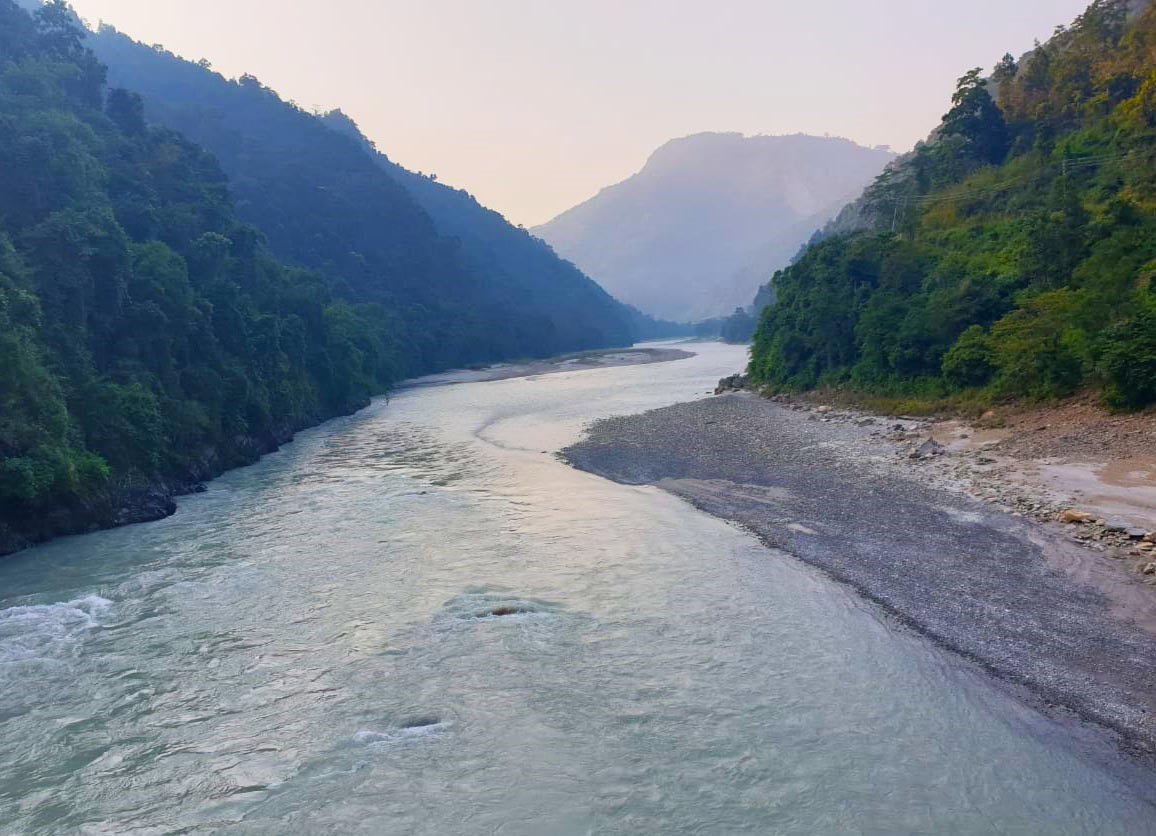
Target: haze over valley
pixel 710 218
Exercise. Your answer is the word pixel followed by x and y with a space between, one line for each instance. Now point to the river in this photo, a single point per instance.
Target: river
pixel 418 620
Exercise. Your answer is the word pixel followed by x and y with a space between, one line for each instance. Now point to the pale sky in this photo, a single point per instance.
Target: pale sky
pixel 535 105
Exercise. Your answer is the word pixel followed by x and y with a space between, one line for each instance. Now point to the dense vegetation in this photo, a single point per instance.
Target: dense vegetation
pixel 153 333
pixel 144 332
pixel 467 287
pixel 1012 255
pixel 496 248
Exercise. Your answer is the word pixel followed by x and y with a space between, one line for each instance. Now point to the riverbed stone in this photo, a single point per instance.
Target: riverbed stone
pixel 893 539
pixel 928 449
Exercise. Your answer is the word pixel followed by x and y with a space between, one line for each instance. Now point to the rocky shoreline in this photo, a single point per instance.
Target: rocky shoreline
pixel 135 498
pixel 883 506
pixel 975 459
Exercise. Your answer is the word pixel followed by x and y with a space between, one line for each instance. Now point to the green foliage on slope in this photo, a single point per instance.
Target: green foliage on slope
pixel 467 287
pixel 145 333
pixel 523 266
pixel 1013 252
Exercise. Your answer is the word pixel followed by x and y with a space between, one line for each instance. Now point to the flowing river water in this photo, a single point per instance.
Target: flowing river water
pixel 417 620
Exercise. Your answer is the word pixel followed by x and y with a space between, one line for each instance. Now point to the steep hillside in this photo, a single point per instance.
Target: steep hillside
pixel 1012 253
pixel 147 337
pixel 493 246
pixel 709 217
pixel 467 286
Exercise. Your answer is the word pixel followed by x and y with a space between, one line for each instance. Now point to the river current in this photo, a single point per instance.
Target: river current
pixel 418 620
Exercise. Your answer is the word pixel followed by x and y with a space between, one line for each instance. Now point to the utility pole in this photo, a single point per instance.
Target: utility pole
pixel 900 208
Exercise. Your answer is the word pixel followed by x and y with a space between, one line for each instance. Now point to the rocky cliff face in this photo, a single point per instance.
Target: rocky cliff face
pixel 710 217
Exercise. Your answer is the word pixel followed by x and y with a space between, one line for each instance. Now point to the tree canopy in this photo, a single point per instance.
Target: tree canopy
pixel 466 286
pixel 145 332
pixel 1012 253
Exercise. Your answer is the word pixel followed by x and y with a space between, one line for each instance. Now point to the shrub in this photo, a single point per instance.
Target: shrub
pixel 1040 349
pixel 970 362
pixel 1128 360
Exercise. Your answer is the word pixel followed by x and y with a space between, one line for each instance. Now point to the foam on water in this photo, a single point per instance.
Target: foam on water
pixel 400 734
pixel 45 631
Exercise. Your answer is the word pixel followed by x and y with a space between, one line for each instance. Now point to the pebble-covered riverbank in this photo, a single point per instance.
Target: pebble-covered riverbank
pixel 844 494
pixel 988 465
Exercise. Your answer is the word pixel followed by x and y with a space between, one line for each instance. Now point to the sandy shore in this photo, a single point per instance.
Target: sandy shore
pixel 554 365
pixel 1060 623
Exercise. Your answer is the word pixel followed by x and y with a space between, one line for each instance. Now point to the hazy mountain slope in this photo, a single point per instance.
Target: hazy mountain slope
pixel 491 243
pixel 710 217
pixel 324 202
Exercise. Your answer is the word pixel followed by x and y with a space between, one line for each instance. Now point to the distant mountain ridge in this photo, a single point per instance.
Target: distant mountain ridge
pixel 492 244
pixel 710 217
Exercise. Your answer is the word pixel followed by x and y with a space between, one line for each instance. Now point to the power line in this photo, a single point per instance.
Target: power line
pixel 1066 165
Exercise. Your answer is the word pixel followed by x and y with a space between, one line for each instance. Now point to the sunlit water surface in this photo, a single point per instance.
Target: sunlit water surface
pixel 416 620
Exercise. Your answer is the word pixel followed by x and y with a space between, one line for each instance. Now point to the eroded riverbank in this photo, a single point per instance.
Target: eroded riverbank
pixel 976 580
pixel 582 361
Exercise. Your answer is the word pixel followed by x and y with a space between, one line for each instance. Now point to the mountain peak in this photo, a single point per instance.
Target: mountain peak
pixel 710 216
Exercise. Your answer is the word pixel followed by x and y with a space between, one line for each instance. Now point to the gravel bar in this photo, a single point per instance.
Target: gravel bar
pixel 975 580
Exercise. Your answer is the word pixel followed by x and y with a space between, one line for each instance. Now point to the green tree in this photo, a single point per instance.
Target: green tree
pixel 127 110
pixel 1026 250
pixel 1128 359
pixel 971 361
pixel 1005 70
pixel 975 117
pixel 1041 348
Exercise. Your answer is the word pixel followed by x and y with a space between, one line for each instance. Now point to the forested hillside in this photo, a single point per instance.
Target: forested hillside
pixel 153 332
pixel 145 333
pixel 495 247
pixel 1012 254
pixel 467 286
